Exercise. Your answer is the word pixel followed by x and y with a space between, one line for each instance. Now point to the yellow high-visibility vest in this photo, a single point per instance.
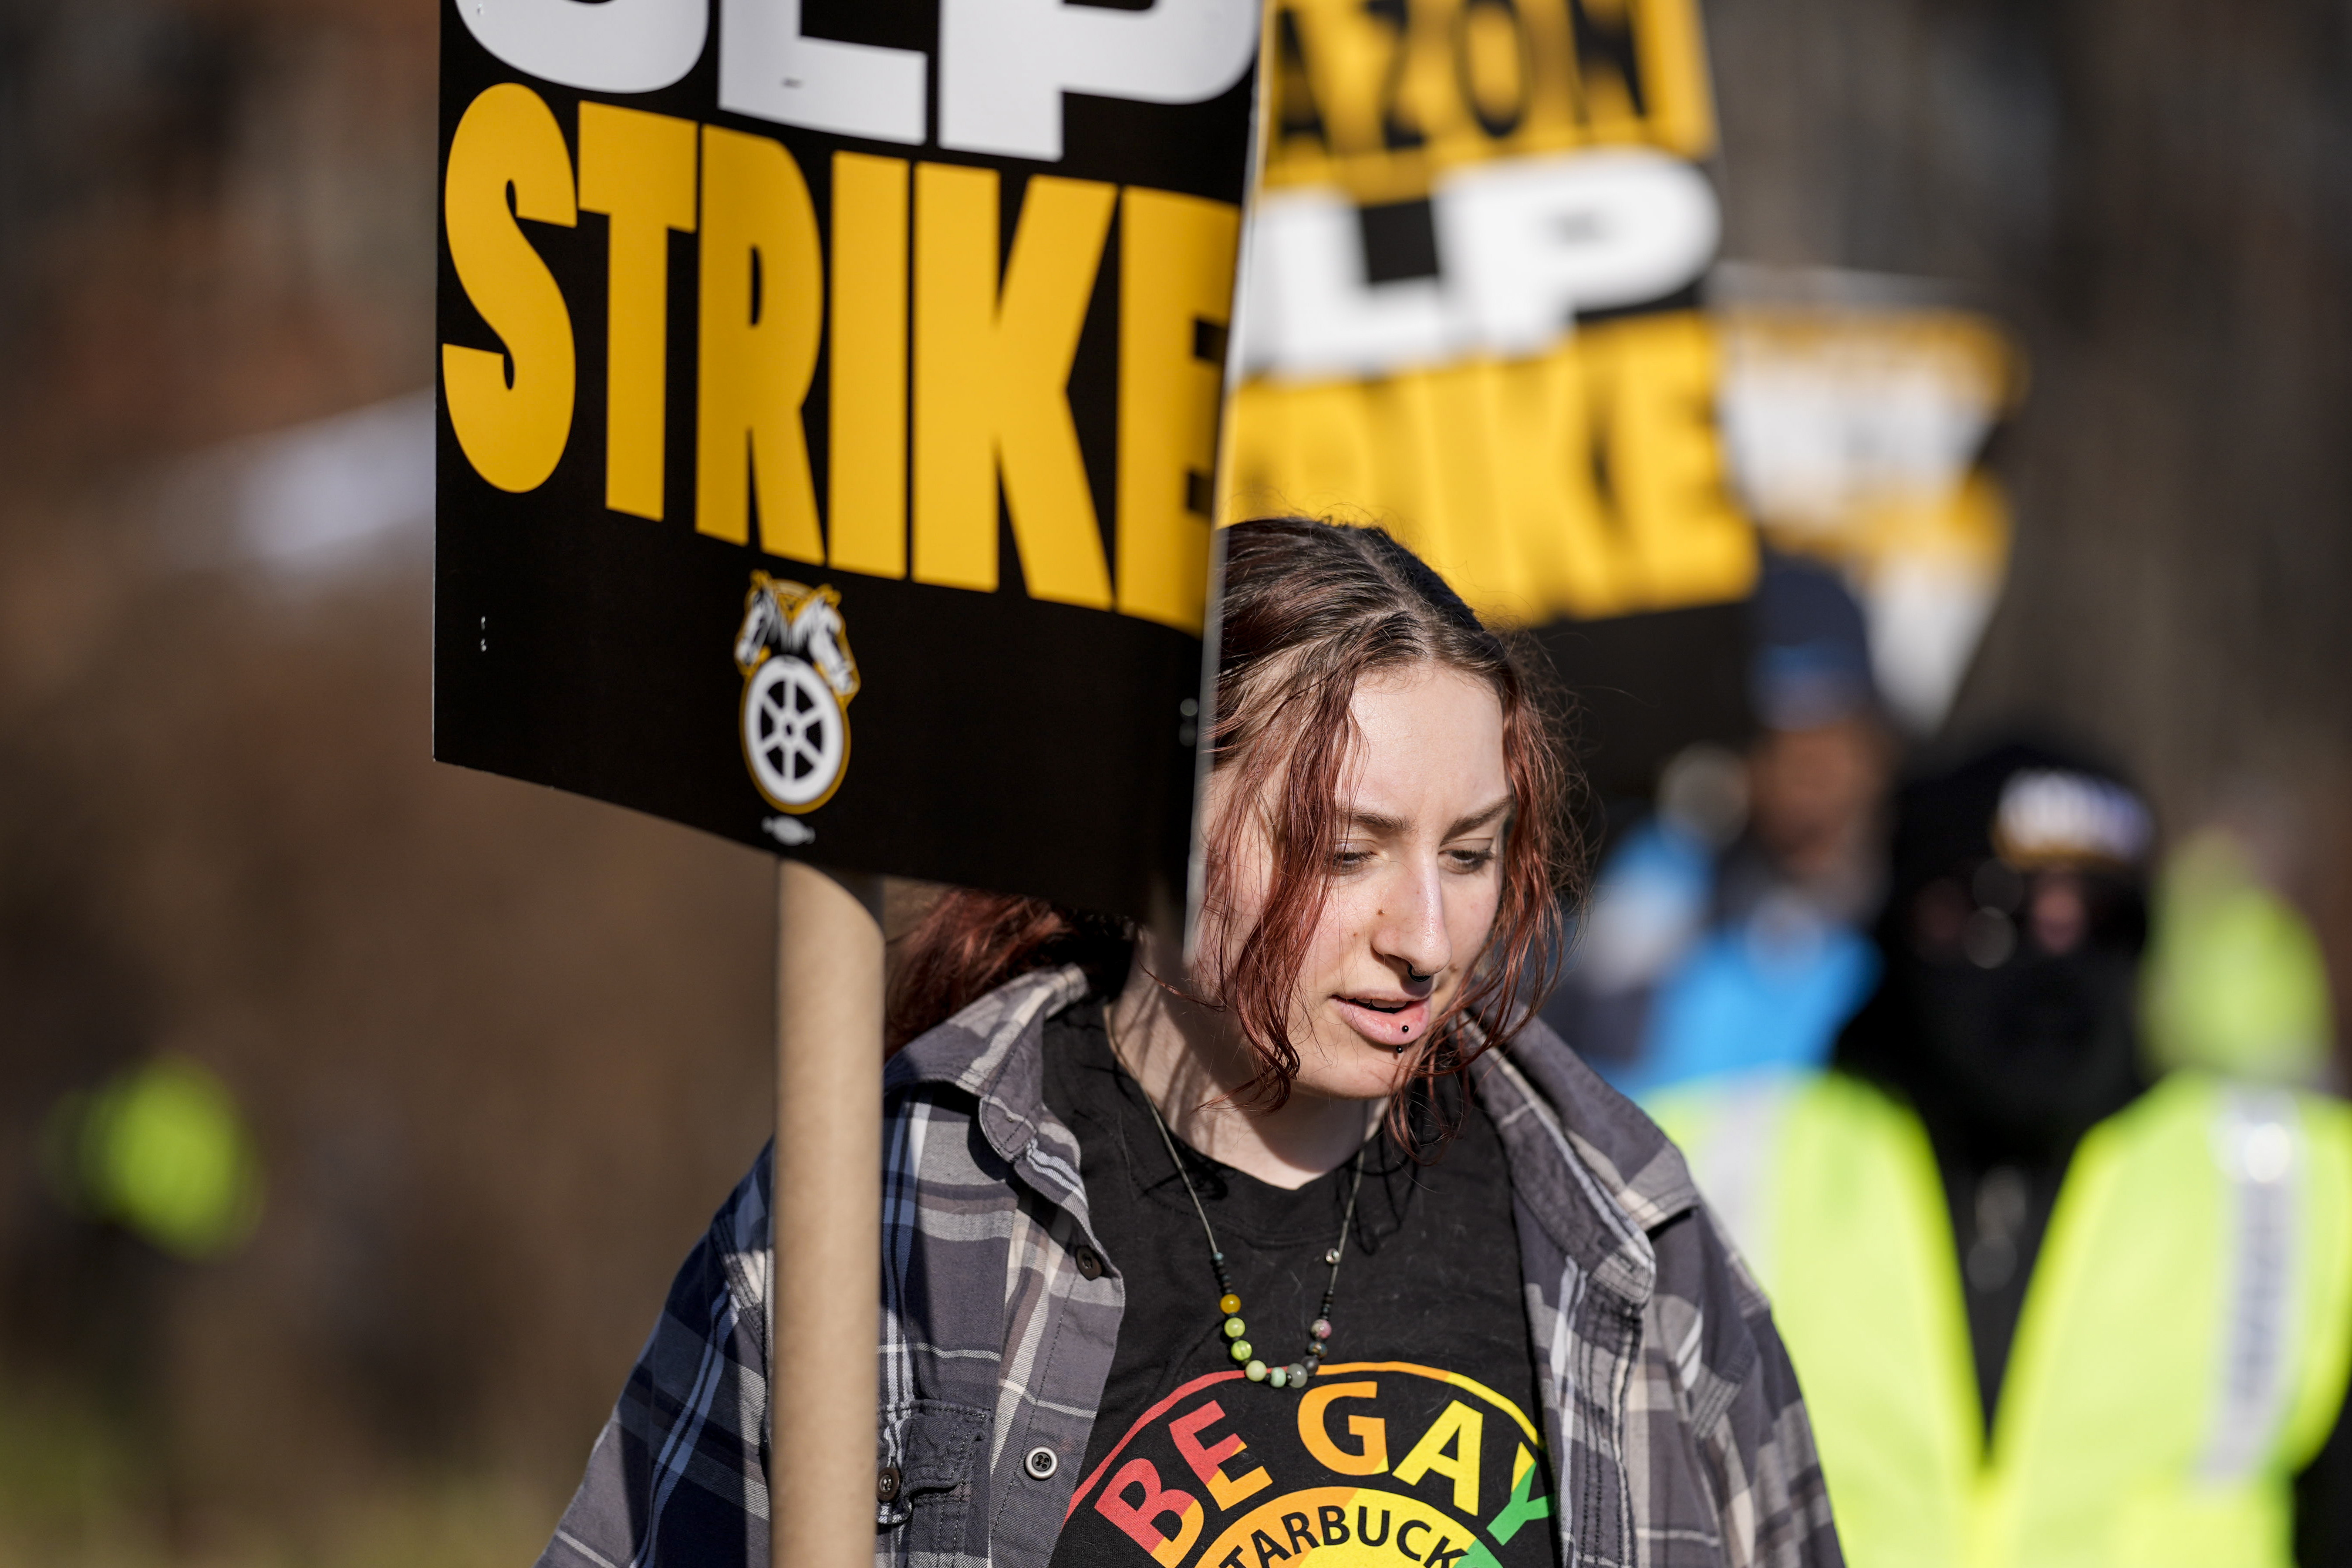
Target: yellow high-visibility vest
pixel 2181 1352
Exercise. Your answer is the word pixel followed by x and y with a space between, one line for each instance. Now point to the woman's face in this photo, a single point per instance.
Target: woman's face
pixel 1414 881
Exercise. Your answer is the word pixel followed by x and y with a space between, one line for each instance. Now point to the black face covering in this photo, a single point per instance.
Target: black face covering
pixel 2010 1060
pixel 2018 1061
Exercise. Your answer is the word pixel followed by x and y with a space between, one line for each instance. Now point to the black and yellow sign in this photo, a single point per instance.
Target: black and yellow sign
pixel 829 409
pixel 1470 312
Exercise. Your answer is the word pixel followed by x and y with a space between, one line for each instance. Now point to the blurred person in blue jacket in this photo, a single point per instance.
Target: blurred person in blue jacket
pixel 2048 1308
pixel 1726 934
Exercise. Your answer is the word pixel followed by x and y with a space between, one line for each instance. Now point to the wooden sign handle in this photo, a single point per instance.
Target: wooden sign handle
pixel 826 1322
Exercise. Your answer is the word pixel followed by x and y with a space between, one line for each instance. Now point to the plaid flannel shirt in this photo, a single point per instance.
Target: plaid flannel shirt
pixel 1671 1412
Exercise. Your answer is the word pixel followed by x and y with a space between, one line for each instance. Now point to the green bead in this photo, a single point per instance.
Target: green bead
pixel 1255 1371
pixel 1232 1328
pixel 1241 1350
pixel 1276 1376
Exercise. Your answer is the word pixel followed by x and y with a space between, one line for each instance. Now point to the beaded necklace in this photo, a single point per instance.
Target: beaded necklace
pixel 1229 1305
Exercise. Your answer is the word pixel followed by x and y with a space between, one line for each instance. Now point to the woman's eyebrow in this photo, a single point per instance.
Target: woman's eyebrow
pixel 1478 819
pixel 1380 822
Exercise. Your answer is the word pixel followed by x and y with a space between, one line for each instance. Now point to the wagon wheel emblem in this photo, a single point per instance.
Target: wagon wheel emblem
pixel 794 734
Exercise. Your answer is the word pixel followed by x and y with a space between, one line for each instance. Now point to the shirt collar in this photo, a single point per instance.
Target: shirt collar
pixel 994 1050
pixel 1636 1162
pixel 1595 1173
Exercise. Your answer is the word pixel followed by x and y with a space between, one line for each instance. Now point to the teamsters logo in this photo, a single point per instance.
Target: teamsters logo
pixel 798 679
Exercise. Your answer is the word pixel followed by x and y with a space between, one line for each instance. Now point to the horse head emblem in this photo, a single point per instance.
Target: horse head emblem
pixel 804 622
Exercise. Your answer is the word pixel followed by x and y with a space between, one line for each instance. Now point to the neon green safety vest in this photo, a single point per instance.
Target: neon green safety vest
pixel 2181 1353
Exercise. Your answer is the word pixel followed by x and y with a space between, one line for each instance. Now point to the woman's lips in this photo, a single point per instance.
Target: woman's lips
pixel 1386 1020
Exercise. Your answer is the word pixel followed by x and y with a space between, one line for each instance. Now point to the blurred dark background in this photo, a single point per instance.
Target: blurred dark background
pixel 2152 196
pixel 498 1052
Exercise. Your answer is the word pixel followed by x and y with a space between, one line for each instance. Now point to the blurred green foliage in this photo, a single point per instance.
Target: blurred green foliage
pixel 161 1151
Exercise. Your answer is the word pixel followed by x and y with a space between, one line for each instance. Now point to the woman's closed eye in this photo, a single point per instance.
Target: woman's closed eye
pixel 1460 858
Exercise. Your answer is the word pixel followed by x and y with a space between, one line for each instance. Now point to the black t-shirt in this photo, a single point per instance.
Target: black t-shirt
pixel 1419 1441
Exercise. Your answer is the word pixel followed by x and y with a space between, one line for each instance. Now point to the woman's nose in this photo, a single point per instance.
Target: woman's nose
pixel 1410 931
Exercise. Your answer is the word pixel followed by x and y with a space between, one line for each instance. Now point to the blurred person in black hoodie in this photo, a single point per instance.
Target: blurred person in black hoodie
pixel 2046 1309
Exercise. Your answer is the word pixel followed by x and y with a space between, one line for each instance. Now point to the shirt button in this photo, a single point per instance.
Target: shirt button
pixel 1090 1265
pixel 1042 1461
pixel 886 1485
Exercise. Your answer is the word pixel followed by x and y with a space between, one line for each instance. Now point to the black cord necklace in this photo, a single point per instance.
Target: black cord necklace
pixel 1229 1305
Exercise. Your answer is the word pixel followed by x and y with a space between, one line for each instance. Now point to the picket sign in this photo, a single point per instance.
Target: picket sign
pixel 797 388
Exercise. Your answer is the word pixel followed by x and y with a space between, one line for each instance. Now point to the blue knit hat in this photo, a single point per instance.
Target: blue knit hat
pixel 1811 664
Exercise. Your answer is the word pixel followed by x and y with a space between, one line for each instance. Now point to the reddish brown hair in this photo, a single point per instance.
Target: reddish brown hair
pixel 1309 610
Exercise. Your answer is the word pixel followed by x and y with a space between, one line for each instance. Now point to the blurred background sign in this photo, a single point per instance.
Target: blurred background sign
pixel 1854 412
pixel 741 331
pixel 1481 305
pixel 1470 312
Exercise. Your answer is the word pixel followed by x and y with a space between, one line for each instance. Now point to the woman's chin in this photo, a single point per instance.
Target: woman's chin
pixel 1351 1067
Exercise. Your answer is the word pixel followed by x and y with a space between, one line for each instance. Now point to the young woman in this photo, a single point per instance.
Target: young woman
pixel 1313 1243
